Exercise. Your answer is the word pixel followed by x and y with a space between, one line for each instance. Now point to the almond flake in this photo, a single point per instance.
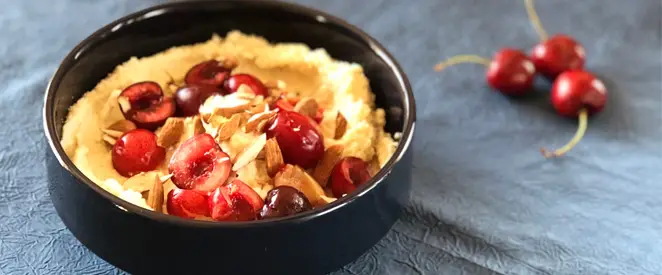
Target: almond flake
pixel 125 104
pixel 165 178
pixel 341 126
pixel 232 105
pixel 112 133
pixel 274 157
pixel 141 182
pixel 306 106
pixel 295 177
pixel 122 126
pixel 260 107
pixel 331 157
pixel 110 140
pixel 155 196
pixel 228 128
pixel 257 122
pixel 244 92
pixel 198 128
pixel 250 153
pixel 171 132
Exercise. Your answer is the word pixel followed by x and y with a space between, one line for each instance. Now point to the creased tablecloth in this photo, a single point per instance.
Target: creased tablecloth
pixel 484 200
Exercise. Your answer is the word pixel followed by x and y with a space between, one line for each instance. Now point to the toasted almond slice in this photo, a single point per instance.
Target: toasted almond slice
pixel 341 126
pixel 295 177
pixel 253 123
pixel 274 157
pixel 125 104
pixel 155 196
pixel 262 155
pixel 306 106
pixel 244 92
pixel 171 132
pixel 165 178
pixel 141 182
pixel 232 106
pixel 112 133
pixel 331 157
pixel 122 126
pixel 259 107
pixel 110 140
pixel 228 128
pixel 250 153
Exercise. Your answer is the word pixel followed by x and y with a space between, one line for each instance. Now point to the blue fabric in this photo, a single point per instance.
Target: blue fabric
pixel 484 200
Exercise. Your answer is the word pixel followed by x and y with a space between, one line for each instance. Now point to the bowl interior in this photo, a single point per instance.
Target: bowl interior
pixel 159 28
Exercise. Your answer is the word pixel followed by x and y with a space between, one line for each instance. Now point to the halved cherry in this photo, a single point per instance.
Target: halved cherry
pixel 349 173
pixel 187 204
pixel 145 105
pixel 299 138
pixel 209 73
pixel 136 151
pixel 235 201
pixel 199 164
pixel 191 96
pixel 233 83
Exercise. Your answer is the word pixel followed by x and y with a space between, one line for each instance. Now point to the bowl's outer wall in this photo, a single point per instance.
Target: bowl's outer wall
pixel 141 245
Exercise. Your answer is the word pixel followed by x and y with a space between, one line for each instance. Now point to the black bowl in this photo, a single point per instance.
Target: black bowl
pixel 144 242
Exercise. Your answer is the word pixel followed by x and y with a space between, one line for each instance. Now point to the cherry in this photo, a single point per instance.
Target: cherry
pixel 576 93
pixel 208 73
pixel 136 151
pixel 511 72
pixel 235 201
pixel 233 83
pixel 299 138
pixel 347 175
pixel 190 97
pixel 199 164
pixel 558 54
pixel 145 105
pixel 284 201
pixel 187 204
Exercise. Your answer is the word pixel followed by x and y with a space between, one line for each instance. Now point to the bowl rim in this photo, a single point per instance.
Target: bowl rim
pixel 321 17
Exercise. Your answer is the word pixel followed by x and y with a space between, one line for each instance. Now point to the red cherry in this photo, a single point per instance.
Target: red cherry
pixel 199 164
pixel 187 204
pixel 235 201
pixel 190 97
pixel 284 201
pixel 208 73
pixel 576 93
pixel 574 90
pixel 511 72
pixel 349 173
pixel 136 151
pixel 558 54
pixel 233 83
pixel 145 105
pixel 298 137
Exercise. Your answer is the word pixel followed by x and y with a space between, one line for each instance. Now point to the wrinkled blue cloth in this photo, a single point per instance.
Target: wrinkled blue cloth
pixel 483 202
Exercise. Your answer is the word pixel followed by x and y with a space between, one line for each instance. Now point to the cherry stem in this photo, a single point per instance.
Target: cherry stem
pixel 467 58
pixel 581 129
pixel 535 21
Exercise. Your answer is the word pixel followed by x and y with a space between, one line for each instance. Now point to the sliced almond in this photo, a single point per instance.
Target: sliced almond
pixel 295 177
pixel 228 128
pixel 259 107
pixel 112 133
pixel 231 106
pixel 165 178
pixel 306 106
pixel 171 132
pixel 155 196
pixel 110 140
pixel 198 128
pixel 262 155
pixel 273 156
pixel 122 126
pixel 250 152
pixel 253 123
pixel 331 157
pixel 244 92
pixel 341 126
pixel 125 104
pixel 141 182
